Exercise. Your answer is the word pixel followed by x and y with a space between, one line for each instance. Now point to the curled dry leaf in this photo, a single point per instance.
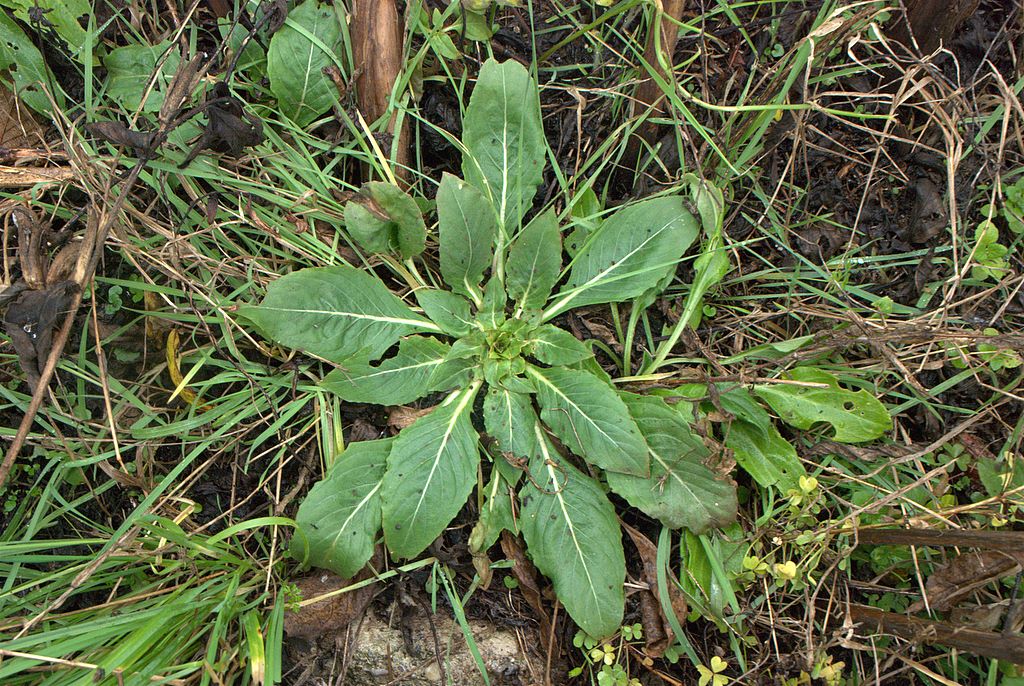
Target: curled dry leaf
pixel 229 128
pixel 180 90
pixel 658 632
pixel 31 246
pixel 141 142
pixel 30 321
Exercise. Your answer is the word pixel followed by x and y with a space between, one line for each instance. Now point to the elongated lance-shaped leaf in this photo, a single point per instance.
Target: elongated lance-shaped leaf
pixel 590 418
pixel 534 262
pixel 395 381
pixel 334 313
pixel 680 491
pixel 467 228
pixel 509 418
pixel 340 517
pixel 574 538
pixel 504 139
pixel 634 249
pixel 431 471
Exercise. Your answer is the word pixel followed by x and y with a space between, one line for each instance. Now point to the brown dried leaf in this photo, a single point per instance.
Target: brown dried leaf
pixel 336 612
pixel 658 632
pixel 229 128
pixel 30 321
pixel 17 126
pixel 965 573
pixel 31 250
pixel 180 90
pixel 62 267
pixel 401 417
pixel 526 575
pixel 141 142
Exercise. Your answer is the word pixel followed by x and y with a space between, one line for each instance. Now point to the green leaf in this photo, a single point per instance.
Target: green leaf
pixel 395 381
pixel 431 471
pixel 129 70
pixel 466 232
pixel 446 309
pixel 509 418
pixel 386 219
pixel 680 491
pixel 298 53
pixel 757 445
pixel 634 249
pixel 340 516
pixel 590 418
pixel 63 16
pixel 29 79
pixel 555 346
pixel 456 370
pixel 855 416
pixel 713 263
pixel 534 262
pixel 504 139
pixel 574 538
pixel 495 516
pixel 334 313
pixel 369 231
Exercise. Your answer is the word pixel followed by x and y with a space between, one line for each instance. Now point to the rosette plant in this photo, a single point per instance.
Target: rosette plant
pixel 522 412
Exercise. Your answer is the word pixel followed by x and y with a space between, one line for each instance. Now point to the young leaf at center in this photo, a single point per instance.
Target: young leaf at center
pixel 466 231
pixel 534 262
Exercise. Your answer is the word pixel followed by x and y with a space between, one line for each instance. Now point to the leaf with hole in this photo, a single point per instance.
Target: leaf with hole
pixel 855 416
pixel 757 445
pixel 395 381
